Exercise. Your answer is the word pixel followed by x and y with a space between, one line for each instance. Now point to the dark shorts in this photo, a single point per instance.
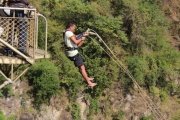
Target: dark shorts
pixel 78 60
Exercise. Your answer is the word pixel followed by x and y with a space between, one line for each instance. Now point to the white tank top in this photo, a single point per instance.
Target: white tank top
pixel 69 43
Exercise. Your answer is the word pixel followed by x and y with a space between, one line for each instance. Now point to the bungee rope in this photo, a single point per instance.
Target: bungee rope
pixel 153 107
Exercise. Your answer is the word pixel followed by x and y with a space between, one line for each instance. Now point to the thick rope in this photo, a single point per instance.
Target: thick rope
pixel 153 106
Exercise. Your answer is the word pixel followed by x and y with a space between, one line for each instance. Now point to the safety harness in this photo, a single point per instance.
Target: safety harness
pixel 78 37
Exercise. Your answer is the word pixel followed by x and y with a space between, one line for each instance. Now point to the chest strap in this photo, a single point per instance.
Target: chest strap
pixel 71 48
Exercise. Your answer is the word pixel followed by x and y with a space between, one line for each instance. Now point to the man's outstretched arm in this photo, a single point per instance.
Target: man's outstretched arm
pixel 73 38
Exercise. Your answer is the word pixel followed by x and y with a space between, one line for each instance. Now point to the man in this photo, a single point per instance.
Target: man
pixel 72 43
pixel 21 22
pixel 18 3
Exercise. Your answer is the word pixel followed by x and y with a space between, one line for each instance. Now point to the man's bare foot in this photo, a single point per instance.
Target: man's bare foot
pixel 91 79
pixel 92 85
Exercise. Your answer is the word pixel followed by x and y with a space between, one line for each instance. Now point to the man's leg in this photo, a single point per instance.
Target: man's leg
pixel 85 76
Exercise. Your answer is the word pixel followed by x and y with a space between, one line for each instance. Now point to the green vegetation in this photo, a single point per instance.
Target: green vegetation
pixel 43 76
pixel 137 31
pixel 94 107
pixel 75 110
pixel 7 90
pixel 118 116
pixel 2 116
pixel 147 118
pixel 11 117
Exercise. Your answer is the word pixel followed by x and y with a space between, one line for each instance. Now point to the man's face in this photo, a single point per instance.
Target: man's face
pixel 73 28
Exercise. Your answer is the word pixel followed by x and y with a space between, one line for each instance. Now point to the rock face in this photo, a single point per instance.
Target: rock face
pixel 113 103
pixel 13 104
pixel 83 107
pixel 171 8
pixel 20 105
pixel 9 105
pixel 26 116
pixel 130 105
pixel 49 113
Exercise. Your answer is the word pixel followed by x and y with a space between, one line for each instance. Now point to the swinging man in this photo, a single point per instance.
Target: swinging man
pixel 72 43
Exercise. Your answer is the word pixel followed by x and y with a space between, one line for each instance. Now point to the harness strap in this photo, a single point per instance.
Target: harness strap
pixel 68 48
pixel 71 48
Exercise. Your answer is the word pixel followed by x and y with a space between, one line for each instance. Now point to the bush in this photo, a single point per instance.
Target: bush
pixel 119 116
pixel 136 27
pixel 6 91
pixel 12 117
pixel 138 67
pixel 94 108
pixel 154 91
pixel 147 118
pixel 163 95
pixel 2 116
pixel 43 76
pixel 75 111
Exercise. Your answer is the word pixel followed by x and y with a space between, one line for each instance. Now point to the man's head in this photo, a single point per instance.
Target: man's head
pixel 71 26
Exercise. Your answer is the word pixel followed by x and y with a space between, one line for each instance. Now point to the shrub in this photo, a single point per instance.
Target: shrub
pixel 136 27
pixel 154 91
pixel 75 111
pixel 6 91
pixel 147 118
pixel 93 108
pixel 43 76
pixel 2 116
pixel 12 117
pixel 119 116
pixel 138 67
pixel 163 95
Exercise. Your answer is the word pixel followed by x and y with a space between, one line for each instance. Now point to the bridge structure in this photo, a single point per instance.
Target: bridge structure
pixel 17 33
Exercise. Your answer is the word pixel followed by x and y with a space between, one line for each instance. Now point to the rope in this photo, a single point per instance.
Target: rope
pixel 153 107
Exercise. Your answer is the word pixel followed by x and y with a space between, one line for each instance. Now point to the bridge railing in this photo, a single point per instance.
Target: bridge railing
pixel 20 27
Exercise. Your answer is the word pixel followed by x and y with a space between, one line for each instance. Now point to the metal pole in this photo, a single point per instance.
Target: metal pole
pixel 4 75
pixel 34 37
pixel 21 74
pixel 37 25
pixel 12 71
pixel 14 8
pixel 45 34
pixel 6 82
pixel 18 52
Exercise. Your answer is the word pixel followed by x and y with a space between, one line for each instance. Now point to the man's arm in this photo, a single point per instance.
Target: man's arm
pixel 73 38
pixel 83 38
pixel 82 42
